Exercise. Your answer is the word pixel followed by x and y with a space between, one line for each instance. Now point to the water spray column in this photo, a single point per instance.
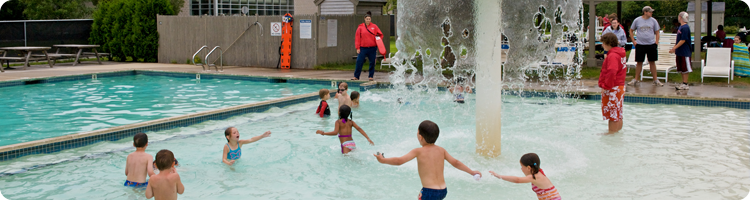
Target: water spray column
pixel 488 76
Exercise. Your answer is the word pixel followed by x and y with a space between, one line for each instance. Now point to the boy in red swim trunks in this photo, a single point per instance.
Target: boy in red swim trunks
pixel 612 82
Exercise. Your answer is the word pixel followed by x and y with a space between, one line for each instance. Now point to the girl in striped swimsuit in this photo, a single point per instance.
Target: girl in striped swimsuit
pixel 343 128
pixel 540 184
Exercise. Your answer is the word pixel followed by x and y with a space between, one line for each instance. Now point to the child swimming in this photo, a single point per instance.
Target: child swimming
pixel 233 148
pixel 540 184
pixel 343 128
pixel 355 99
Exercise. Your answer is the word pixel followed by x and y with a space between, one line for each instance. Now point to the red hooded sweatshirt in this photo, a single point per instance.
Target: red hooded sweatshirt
pixel 613 69
pixel 363 38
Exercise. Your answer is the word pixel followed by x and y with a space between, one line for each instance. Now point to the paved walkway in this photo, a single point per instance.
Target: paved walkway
pixel 734 93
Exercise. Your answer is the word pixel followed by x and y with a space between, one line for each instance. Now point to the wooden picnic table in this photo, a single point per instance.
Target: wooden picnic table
pixel 27 54
pixel 79 48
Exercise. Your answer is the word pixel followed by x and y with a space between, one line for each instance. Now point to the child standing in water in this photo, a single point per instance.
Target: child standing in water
pixel 166 184
pixel 355 99
pixel 540 184
pixel 323 109
pixel 232 150
pixel 343 128
pixel 138 163
pixel 343 96
pixel 429 162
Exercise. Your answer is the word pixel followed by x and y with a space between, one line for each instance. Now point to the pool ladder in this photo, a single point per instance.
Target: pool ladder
pixel 206 62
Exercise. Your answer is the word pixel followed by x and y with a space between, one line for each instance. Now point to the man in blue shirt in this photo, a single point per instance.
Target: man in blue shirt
pixel 682 50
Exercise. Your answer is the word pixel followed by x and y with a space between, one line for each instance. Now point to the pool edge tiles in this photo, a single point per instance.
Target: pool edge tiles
pixel 70 141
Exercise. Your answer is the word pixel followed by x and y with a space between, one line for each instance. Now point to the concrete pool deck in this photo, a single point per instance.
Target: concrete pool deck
pixel 698 91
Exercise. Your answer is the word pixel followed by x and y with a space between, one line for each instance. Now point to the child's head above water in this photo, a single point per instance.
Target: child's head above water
pixel 228 133
pixel 343 85
pixel 429 131
pixel 164 160
pixel 355 95
pixel 140 140
pixel 530 164
pixel 344 112
pixel 324 94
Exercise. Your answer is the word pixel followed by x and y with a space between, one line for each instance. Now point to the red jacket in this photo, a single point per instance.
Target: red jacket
pixel 613 69
pixel 363 38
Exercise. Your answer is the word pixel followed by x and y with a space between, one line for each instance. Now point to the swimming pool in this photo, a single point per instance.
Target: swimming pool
pixel 46 110
pixel 685 152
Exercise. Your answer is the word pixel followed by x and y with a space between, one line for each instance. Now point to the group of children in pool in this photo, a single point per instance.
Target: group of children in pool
pixel 430 157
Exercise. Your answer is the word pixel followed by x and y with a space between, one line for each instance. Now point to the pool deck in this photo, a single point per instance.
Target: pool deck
pixel 698 91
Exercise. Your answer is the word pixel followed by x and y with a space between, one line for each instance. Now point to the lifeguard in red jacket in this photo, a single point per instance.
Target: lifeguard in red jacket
pixel 364 41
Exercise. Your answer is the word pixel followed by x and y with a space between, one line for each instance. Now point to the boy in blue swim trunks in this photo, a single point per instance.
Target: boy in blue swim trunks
pixel 138 164
pixel 232 150
pixel 429 162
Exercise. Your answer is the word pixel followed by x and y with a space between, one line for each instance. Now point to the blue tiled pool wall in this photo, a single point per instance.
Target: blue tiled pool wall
pixel 170 74
pixel 117 135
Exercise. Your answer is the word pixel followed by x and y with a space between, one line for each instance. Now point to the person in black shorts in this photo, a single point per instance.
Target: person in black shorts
pixel 646 44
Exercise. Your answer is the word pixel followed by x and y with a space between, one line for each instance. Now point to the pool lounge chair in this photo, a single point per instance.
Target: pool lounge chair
pixel 718 63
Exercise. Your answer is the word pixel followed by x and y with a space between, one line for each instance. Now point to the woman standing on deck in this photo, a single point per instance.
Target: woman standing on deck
pixel 364 41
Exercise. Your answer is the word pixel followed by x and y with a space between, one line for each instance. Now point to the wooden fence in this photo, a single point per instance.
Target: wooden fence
pixel 181 36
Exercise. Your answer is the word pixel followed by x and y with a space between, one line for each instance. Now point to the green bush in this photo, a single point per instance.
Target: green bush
pixel 127 28
pixel 731 30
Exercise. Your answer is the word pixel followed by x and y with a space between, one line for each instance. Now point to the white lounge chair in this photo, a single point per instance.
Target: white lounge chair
pixel 718 63
pixel 386 61
pixel 631 61
pixel 666 62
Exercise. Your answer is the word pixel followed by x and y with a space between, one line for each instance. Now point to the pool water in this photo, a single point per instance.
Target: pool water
pixel 683 152
pixel 39 111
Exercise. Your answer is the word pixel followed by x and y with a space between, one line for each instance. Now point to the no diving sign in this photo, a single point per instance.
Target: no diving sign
pixel 275 28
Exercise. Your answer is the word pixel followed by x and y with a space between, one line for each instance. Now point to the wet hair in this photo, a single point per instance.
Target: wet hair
pixel 164 159
pixel 429 131
pixel 228 132
pixel 323 93
pixel 344 112
pixel 354 95
pixel 140 140
pixel 345 86
pixel 369 14
pixel 609 39
pixel 721 27
pixel 531 160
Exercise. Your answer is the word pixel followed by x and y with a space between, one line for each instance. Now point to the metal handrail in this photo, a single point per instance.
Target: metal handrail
pixel 221 58
pixel 196 53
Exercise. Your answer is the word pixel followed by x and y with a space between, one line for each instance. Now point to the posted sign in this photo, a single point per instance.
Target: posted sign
pixel 305 31
pixel 275 28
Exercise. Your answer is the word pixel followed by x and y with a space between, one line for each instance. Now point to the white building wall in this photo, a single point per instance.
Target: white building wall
pixel 336 7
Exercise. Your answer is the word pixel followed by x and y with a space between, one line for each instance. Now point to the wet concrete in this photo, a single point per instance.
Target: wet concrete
pixel 698 91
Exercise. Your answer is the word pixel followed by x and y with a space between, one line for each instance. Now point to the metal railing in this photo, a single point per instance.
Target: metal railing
pixel 221 59
pixel 196 53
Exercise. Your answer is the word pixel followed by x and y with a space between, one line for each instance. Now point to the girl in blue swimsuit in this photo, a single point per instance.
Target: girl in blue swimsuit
pixel 233 148
pixel 343 128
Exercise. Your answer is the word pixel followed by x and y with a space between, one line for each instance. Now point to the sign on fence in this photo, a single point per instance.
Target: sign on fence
pixel 275 28
pixel 305 29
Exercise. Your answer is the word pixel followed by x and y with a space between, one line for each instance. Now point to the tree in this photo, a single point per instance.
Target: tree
pixel 390 5
pixel 12 10
pixel 56 9
pixel 127 28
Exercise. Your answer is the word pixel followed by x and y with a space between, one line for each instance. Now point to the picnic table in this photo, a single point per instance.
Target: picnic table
pixel 26 55
pixel 79 49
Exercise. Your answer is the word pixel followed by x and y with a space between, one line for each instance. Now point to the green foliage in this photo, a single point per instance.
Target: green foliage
pixel 127 28
pixel 390 5
pixel 12 10
pixel 731 29
pixel 55 9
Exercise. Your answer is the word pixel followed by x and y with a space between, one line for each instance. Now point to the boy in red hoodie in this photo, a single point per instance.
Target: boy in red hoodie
pixel 612 82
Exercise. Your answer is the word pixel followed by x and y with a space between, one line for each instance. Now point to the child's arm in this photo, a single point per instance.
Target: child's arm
pixel 514 179
pixel 459 165
pixel 149 192
pixel 224 156
pixel 126 165
pixel 397 160
pixel 256 138
pixel 363 133
pixel 150 167
pixel 334 132
pixel 180 187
